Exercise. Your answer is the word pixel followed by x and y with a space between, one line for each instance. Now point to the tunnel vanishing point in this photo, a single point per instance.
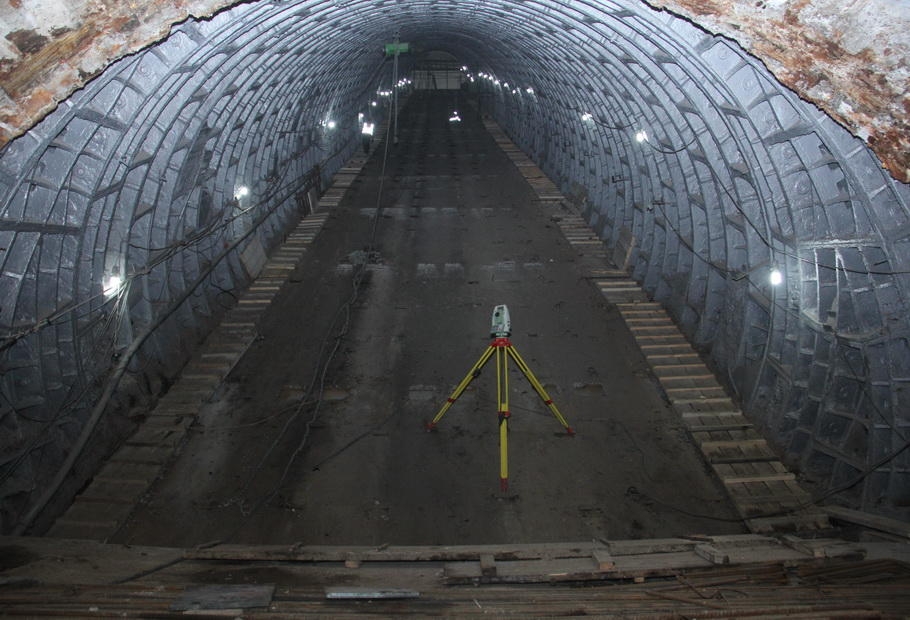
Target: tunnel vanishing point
pixel 757 152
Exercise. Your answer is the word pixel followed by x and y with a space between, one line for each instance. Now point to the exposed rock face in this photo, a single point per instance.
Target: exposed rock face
pixel 50 49
pixel 849 57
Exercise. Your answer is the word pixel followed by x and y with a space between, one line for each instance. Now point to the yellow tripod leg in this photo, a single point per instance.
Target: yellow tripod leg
pixel 504 455
pixel 472 374
pixel 502 395
pixel 526 371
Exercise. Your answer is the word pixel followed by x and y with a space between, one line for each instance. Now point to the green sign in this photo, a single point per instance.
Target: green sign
pixel 396 48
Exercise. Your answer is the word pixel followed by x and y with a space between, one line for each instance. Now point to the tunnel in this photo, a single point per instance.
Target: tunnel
pixel 152 179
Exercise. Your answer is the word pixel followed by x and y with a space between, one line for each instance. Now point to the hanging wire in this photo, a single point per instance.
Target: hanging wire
pixel 758 232
pixel 313 395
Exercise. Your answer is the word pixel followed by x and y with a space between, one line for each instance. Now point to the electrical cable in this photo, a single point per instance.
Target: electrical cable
pixel 690 247
pixel 865 385
pixel 371 246
pixel 65 407
pixel 767 242
pixel 737 276
pixel 232 427
pixel 320 372
pixel 355 440
pixel 120 369
pixel 673 151
pixel 164 254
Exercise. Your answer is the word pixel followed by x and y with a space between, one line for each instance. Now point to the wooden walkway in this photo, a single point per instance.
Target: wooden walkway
pixel 709 576
pixel 105 504
pixel 766 495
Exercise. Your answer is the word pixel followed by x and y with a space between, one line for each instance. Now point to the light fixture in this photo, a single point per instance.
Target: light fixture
pixel 111 285
pixel 242 191
pixel 641 136
pixel 373 104
pixel 455 118
pixel 776 277
pixel 360 117
pixel 587 116
pixel 367 129
pixel 529 90
pixel 330 124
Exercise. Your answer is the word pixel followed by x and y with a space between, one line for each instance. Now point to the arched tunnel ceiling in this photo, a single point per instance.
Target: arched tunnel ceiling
pixel 849 58
pixel 138 174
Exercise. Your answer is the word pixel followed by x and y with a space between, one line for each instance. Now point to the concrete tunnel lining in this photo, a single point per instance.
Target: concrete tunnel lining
pixel 137 173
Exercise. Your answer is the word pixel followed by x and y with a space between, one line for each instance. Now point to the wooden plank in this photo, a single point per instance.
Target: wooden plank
pixel 573 569
pixel 758 478
pixel 876 522
pixel 712 554
pixel 825 547
pixel 654 545
pixel 487 565
pixel 113 491
pixel 732 443
pixel 652 349
pixel 731 460
pixel 218 596
pixel 135 473
pixel 692 417
pixel 702 405
pixel 653 330
pixel 603 559
pixel 152 435
pixel 713 428
pixel 143 454
pixel 394 553
pixel 696 393
pixel 684 372
pixel 806 520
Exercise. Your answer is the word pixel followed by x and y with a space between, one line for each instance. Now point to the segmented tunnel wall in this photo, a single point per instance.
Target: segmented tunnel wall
pixel 733 177
pixel 137 173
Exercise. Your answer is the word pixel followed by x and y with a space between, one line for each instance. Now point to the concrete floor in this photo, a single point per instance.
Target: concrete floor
pixel 458 232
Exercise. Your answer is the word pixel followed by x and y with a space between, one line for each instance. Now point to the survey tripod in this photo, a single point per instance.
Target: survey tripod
pixel 502 347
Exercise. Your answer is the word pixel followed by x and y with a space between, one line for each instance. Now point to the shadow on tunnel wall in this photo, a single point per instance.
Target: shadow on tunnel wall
pixel 131 213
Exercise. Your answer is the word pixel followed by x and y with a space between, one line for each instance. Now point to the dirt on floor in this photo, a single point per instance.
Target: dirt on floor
pixel 318 435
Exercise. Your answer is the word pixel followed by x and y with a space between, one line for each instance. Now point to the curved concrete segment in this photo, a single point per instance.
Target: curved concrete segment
pixel 127 213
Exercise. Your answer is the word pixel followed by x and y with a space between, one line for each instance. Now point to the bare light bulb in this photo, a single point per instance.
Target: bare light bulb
pixel 776 277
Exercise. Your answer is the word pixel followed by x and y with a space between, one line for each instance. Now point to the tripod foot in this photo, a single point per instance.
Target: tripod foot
pixel 570 431
pixel 429 427
pixel 504 484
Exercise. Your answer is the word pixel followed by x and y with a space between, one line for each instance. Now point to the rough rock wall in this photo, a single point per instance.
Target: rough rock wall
pixel 49 48
pixel 849 57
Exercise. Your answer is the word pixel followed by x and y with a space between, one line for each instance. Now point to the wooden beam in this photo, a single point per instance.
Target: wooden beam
pixel 866 519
